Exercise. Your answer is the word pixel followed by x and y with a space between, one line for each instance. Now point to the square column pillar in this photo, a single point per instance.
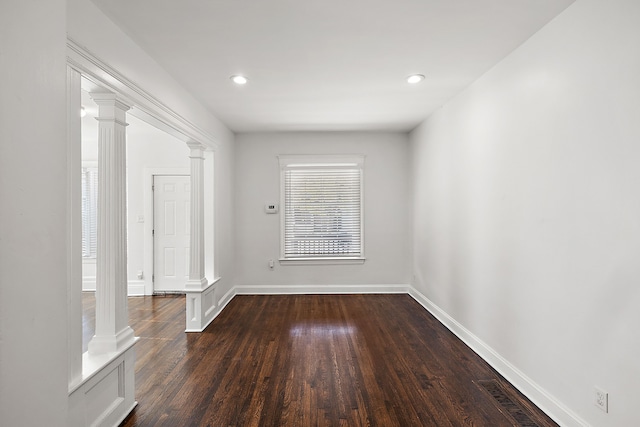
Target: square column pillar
pixel 200 299
pixel 197 279
pixel 113 332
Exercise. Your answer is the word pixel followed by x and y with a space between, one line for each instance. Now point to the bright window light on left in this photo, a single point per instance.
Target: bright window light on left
pixel 239 80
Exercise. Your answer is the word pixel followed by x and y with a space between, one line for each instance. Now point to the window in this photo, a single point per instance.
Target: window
pixel 322 214
pixel 89 212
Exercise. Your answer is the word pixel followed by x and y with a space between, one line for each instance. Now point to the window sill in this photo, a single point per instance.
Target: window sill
pixel 322 261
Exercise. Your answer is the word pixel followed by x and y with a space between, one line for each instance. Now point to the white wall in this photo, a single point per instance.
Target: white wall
pixel 527 211
pixel 33 230
pixel 386 213
pixel 147 149
pixel 225 217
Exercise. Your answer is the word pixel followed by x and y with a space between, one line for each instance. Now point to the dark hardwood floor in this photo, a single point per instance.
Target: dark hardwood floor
pixel 313 360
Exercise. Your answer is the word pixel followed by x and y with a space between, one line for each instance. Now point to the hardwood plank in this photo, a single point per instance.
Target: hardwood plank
pixel 309 360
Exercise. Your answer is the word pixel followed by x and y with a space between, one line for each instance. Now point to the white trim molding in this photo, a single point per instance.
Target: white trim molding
pixel 74 227
pixel 147 107
pixel 539 396
pixel 322 261
pixel 320 289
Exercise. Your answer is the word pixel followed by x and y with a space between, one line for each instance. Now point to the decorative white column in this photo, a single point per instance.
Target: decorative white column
pixel 112 318
pixel 106 392
pixel 197 279
pixel 200 300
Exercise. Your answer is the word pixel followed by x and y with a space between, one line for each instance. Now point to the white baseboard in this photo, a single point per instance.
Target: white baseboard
pixel 136 288
pixel 222 303
pixel 540 397
pixel 88 283
pixel 320 289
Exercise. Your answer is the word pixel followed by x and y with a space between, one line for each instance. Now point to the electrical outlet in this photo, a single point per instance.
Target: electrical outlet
pixel 601 399
pixel 271 264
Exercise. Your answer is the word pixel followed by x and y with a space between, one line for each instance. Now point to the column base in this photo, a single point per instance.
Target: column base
pixel 102 344
pixel 201 307
pixel 197 284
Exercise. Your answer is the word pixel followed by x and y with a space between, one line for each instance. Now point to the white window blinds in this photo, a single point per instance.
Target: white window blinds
pixel 89 212
pixel 322 209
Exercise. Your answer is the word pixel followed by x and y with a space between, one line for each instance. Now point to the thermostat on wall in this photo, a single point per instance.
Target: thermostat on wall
pixel 271 208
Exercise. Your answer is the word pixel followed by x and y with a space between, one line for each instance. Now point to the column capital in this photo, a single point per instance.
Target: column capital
pixel 197 149
pixel 110 99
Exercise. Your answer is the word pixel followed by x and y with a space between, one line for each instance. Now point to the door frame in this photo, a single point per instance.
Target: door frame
pixel 149 173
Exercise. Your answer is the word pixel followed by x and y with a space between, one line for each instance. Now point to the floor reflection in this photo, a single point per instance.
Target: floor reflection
pixel 322 330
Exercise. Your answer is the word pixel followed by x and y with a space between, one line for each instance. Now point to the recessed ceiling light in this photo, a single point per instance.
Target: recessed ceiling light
pixel 415 78
pixel 239 80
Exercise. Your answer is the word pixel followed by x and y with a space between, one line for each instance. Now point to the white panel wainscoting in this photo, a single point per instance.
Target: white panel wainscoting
pixel 106 394
pixel 202 307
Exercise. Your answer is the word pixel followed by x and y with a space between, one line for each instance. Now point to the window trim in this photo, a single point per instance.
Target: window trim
pixel 311 161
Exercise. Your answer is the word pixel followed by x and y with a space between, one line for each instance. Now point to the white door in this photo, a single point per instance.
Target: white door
pixel 170 232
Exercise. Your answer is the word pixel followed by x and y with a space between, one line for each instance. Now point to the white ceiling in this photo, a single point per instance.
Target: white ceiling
pixel 328 64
